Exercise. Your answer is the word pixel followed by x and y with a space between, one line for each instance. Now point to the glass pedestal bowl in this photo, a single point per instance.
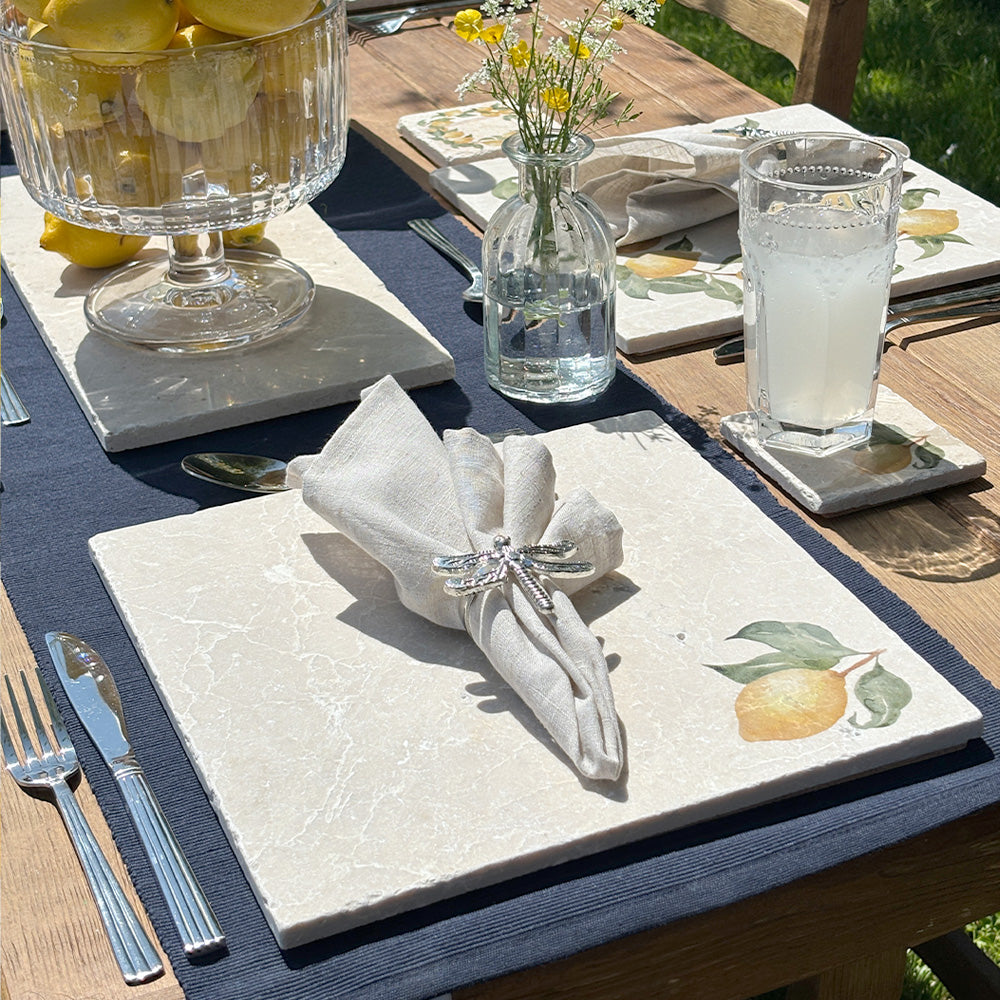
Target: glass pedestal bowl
pixel 185 143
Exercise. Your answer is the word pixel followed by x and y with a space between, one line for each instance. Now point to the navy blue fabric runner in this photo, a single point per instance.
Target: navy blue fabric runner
pixel 60 488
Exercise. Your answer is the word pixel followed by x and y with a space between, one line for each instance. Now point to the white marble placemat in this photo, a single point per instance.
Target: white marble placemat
pixel 688 287
pixel 355 332
pixel 364 762
pixel 908 454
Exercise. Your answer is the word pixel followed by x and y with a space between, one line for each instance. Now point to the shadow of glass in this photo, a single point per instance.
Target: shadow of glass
pixel 344 343
pixel 924 542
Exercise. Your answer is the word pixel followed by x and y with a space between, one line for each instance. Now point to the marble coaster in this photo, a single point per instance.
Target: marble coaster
pixel 418 774
pixel 908 454
pixel 461 134
pixel 355 332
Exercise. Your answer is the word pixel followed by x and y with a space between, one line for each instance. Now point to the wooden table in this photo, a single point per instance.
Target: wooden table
pixel 836 935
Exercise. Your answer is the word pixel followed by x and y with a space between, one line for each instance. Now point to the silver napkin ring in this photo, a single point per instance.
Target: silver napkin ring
pixel 490 568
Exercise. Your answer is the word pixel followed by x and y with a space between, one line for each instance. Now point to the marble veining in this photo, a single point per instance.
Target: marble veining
pixel 355 332
pixel 390 767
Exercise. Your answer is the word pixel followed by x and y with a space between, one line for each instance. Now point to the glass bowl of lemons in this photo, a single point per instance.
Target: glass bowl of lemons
pixel 185 120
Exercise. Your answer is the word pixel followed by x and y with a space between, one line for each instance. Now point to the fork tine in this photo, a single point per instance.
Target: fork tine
pixel 40 731
pixel 30 756
pixel 55 716
pixel 9 753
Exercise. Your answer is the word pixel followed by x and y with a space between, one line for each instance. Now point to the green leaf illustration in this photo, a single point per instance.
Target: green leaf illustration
pixel 884 695
pixel 505 189
pixel 914 197
pixel 927 456
pixel 933 245
pixel 680 285
pixel 888 434
pixel 769 663
pixel 799 640
pixel 727 291
pixel 631 284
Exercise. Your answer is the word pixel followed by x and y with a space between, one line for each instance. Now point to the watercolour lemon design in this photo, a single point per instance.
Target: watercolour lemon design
pixel 799 689
pixel 474 129
pixel 890 450
pixel 677 269
pixel 929 228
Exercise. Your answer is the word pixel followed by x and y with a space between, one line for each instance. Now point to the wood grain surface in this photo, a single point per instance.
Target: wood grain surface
pixel 839 934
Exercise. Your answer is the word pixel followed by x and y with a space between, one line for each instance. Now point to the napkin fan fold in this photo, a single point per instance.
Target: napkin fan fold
pixel 405 496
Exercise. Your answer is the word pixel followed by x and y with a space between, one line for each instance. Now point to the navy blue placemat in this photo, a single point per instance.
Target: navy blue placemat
pixel 60 488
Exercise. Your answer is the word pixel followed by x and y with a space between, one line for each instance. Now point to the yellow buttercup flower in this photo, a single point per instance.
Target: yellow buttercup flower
pixel 519 54
pixel 492 34
pixel 580 49
pixel 556 98
pixel 468 24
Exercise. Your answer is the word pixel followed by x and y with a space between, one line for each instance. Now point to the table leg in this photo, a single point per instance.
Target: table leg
pixel 874 977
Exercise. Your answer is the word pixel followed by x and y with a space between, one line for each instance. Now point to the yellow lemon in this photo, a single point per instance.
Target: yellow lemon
pixel 88 247
pixel 250 17
pixel 184 17
pixel 65 93
pixel 31 9
pixel 790 704
pixel 39 31
pixel 928 221
pixel 198 98
pixel 663 264
pixel 245 236
pixel 113 25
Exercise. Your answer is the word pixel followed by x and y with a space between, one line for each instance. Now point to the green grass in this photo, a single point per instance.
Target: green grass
pixel 929 75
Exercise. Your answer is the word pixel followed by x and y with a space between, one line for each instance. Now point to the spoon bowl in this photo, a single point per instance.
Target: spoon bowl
pixel 249 473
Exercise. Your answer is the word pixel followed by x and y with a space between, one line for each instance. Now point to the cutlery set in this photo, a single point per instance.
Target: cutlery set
pixel 47 763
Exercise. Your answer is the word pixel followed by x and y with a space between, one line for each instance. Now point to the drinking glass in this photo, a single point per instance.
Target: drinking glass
pixel 184 143
pixel 817 228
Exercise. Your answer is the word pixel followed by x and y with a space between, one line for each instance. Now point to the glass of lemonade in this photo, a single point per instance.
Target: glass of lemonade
pixel 817 227
pixel 183 142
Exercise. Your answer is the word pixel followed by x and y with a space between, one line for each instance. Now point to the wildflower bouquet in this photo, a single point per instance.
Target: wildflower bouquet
pixel 551 82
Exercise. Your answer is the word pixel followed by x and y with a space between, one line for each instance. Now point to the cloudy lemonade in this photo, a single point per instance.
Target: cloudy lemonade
pixel 819 334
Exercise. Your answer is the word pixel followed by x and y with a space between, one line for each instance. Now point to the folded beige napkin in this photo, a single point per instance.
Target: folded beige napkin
pixel 391 485
pixel 649 187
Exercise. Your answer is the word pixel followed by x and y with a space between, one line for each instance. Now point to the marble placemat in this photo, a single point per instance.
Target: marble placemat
pixel 907 455
pixel 688 287
pixel 355 332
pixel 364 762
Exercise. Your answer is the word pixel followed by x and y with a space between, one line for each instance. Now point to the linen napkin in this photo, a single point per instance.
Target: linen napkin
pixel 404 495
pixel 649 187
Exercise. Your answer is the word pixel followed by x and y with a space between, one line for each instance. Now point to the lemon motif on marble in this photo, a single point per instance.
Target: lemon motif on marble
pixel 799 688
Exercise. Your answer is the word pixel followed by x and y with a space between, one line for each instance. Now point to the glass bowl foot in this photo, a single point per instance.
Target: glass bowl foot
pixel 140 304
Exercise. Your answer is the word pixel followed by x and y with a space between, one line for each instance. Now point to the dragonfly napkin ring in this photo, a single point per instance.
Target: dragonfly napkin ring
pixel 491 568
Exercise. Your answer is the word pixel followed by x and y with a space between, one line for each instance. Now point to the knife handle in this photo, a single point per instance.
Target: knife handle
pixel 191 912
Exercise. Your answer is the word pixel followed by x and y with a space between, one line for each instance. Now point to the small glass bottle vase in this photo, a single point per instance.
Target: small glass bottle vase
pixel 549 269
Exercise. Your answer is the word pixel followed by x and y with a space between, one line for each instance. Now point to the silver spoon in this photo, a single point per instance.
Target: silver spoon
pixel 249 473
pixel 428 231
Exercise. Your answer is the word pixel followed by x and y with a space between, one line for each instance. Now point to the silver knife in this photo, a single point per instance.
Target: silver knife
pixel 92 690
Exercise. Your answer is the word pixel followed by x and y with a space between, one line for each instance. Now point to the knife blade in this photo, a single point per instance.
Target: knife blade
pixel 94 696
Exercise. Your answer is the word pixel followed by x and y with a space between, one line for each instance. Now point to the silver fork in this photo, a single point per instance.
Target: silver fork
pixel 388 22
pixel 12 410
pixel 50 769
pixel 426 229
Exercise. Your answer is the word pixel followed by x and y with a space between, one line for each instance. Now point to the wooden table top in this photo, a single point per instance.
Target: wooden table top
pixel 841 933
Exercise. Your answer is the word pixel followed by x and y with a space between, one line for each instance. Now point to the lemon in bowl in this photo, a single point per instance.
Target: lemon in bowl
pixel 142 132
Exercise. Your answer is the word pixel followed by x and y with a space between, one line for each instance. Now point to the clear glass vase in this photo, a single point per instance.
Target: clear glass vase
pixel 549 269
